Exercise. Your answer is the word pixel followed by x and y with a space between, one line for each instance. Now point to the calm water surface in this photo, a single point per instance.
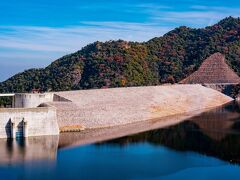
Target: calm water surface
pixel 203 147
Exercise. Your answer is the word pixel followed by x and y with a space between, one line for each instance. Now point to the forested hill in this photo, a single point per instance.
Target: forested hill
pixel 165 59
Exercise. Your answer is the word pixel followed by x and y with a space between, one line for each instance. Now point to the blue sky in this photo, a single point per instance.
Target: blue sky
pixel 34 33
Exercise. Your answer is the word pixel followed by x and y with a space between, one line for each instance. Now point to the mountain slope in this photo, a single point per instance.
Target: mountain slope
pixel 169 58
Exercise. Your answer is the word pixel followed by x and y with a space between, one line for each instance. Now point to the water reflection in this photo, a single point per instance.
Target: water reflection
pixel 214 133
pixel 30 149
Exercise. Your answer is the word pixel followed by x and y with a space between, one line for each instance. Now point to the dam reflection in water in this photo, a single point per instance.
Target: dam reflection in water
pixel 30 149
pixel 206 146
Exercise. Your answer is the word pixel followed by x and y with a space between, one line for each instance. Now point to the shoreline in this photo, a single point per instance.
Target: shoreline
pixel 89 136
pixel 78 128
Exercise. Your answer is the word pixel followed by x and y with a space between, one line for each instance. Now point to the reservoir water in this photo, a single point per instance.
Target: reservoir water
pixel 206 146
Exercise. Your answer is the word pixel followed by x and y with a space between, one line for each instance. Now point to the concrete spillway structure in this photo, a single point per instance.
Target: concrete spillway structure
pixel 24 122
pixel 45 114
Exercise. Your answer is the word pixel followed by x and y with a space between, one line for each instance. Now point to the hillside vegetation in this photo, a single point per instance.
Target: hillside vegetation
pixel 165 59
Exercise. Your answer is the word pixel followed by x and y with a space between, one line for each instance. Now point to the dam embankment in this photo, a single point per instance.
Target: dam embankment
pixel 46 114
pixel 118 106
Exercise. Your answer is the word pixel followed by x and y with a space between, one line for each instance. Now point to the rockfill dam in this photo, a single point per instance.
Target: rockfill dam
pixel 36 114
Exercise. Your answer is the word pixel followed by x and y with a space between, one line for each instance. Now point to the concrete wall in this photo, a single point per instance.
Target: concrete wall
pixel 31 100
pixel 39 121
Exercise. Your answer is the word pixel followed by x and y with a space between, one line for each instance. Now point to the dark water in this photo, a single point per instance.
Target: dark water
pixel 203 147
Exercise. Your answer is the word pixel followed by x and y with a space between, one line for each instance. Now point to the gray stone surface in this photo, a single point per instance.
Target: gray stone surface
pixel 117 106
